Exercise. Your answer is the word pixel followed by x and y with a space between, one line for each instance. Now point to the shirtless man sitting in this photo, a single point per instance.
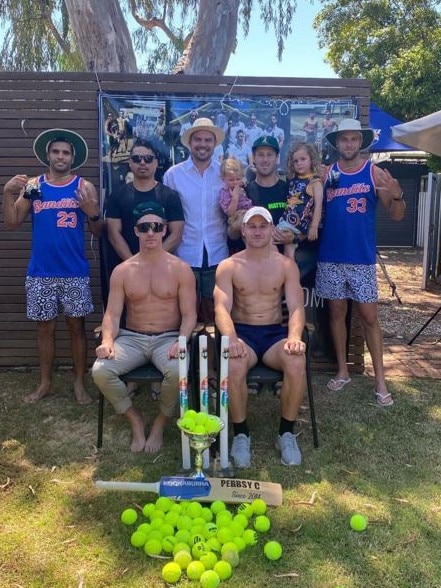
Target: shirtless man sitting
pixel 248 296
pixel 159 293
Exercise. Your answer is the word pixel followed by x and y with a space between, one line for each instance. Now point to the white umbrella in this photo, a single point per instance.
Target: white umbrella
pixel 423 133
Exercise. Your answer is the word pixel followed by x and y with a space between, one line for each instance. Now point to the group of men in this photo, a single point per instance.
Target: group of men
pixel 175 269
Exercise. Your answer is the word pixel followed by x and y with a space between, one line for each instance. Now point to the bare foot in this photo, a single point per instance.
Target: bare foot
pixel 81 395
pixel 40 393
pixel 138 425
pixel 138 443
pixel 155 439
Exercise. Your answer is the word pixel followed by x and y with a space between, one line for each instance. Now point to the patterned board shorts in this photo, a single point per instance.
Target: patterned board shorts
pixel 49 297
pixel 345 281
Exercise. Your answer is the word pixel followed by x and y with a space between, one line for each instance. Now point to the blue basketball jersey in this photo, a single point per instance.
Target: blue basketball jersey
pixel 58 232
pixel 349 207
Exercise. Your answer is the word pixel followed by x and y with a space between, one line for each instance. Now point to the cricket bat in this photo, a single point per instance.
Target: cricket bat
pixel 230 490
pixel 183 399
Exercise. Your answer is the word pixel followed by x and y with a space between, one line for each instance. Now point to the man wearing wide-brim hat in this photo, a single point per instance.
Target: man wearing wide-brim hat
pixel 204 239
pixel 346 263
pixel 59 202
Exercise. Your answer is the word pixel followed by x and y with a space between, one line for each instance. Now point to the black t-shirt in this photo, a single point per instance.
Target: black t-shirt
pixel 272 198
pixel 121 204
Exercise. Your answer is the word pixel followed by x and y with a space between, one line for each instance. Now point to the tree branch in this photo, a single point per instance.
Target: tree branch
pixel 46 15
pixel 151 23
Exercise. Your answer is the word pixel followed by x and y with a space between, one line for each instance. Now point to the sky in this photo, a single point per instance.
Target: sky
pixel 257 54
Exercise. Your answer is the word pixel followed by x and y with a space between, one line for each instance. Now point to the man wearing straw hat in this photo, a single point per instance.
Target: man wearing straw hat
pixel 57 279
pixel 346 265
pixel 204 239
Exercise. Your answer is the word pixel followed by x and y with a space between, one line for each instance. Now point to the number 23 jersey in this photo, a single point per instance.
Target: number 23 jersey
pixel 58 232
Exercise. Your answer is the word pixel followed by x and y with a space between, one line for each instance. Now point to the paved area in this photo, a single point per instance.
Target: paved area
pixel 422 359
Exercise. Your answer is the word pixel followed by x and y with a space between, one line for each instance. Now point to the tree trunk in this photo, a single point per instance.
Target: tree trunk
pixel 102 35
pixel 213 40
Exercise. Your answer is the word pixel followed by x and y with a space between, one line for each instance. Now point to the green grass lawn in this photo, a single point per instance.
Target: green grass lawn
pixel 58 530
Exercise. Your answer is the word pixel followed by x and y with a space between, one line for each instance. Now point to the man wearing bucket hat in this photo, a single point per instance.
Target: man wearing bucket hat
pixel 346 268
pixel 59 203
pixel 198 181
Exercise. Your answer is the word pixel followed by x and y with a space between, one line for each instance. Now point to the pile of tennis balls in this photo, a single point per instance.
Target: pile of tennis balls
pixel 203 542
pixel 200 423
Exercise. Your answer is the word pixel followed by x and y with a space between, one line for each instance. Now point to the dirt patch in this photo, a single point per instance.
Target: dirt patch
pixel 402 321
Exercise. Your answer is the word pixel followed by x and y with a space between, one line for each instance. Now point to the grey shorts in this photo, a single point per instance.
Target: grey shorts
pixel 345 281
pixel 49 297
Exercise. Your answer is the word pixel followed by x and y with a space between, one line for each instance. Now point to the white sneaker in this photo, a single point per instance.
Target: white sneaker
pixel 289 450
pixel 240 451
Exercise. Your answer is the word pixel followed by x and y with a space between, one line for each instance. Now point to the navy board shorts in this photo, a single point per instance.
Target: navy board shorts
pixel 261 337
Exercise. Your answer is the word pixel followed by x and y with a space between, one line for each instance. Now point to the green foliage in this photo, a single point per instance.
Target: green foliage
pixel 39 36
pixel 395 45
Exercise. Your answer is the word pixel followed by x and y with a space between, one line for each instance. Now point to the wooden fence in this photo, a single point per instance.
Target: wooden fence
pixel 33 102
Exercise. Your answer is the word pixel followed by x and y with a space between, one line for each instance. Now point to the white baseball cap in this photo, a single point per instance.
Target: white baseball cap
pixel 257 211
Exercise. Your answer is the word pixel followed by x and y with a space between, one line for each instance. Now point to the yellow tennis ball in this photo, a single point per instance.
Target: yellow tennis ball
pixel 199 549
pixel 213 544
pixel 240 543
pixel 217 506
pixel 206 514
pixel 210 530
pixel 273 550
pixel 223 570
pixel 224 535
pixel 262 524
pixel 190 414
pixel 209 579
pixel 168 543
pixel 208 559
pixel 259 506
pixel 138 539
pixel 358 522
pixel 183 536
pixel 187 424
pixel 195 569
pixel 171 572
pixel 182 558
pixel 194 510
pixel 199 430
pixel 153 547
pixel 250 537
pixel 147 509
pixel 246 509
pixel 179 547
pixel 230 546
pixel 232 557
pixel 129 516
pixel 201 418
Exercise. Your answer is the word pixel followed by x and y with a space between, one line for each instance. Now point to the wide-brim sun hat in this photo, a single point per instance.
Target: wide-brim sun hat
pixel 79 145
pixel 352 124
pixel 203 124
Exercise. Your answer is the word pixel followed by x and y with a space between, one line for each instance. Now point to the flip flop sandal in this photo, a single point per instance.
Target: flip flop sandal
pixel 382 399
pixel 336 384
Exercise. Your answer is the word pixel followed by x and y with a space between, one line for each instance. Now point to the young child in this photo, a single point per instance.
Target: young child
pixel 232 198
pixel 305 195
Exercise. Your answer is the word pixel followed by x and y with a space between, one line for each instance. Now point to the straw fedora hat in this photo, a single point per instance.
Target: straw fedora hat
pixel 79 145
pixel 351 124
pixel 203 124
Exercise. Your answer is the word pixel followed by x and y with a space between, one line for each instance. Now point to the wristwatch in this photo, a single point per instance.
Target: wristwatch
pixel 401 196
pixel 95 218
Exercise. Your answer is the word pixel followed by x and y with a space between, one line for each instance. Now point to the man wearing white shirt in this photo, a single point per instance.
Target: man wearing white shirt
pixel 204 239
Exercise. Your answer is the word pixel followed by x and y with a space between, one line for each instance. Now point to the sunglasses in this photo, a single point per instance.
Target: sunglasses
pixel 156 227
pixel 145 158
